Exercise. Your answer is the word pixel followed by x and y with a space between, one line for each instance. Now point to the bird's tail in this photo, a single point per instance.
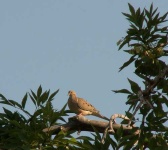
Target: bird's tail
pixel 101 116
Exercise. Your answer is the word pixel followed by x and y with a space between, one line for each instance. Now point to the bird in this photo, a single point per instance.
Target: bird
pixel 82 107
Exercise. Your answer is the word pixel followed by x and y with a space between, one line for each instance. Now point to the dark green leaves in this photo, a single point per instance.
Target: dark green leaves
pixel 41 97
pixel 134 86
pixel 146 39
pixel 131 8
pixel 52 95
pixel 145 34
pixel 20 131
pixel 8 112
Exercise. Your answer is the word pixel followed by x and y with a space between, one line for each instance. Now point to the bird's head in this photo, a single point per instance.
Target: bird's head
pixel 72 93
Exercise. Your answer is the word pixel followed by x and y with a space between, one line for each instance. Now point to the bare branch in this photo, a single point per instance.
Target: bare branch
pixel 80 123
pixel 109 128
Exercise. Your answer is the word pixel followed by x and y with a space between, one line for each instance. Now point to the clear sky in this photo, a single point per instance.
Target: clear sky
pixel 66 44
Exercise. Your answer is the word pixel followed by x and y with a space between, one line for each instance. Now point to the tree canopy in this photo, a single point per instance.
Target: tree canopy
pixel 146 40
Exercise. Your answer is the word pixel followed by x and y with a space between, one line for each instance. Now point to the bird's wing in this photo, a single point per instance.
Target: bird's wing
pixel 84 105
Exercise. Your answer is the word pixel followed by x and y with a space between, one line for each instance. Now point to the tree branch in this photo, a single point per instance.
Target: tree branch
pixel 155 82
pixel 80 123
pixel 157 79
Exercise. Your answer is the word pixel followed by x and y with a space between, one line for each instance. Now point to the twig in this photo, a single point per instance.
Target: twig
pixel 112 122
pixel 142 101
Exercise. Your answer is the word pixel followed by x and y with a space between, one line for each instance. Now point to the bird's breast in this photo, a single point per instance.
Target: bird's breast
pixel 73 106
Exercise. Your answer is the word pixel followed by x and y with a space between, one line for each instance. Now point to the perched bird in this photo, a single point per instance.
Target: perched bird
pixel 81 107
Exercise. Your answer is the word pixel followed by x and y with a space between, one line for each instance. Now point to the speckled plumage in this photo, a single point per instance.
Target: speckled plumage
pixel 81 107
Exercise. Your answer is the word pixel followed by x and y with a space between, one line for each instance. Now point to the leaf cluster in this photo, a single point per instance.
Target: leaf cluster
pixel 147 39
pixel 21 129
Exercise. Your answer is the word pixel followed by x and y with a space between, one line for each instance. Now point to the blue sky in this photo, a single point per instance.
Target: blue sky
pixel 66 44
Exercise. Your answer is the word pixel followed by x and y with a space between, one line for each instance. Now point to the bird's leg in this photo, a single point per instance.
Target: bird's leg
pixel 80 114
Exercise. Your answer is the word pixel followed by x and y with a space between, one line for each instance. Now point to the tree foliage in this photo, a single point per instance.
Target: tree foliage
pixel 146 40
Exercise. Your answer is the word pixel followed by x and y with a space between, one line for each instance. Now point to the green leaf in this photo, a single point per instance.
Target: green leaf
pixel 3 97
pixel 132 10
pixel 148 14
pixel 97 133
pixel 138 12
pixel 134 29
pixel 34 95
pixel 130 142
pixel 63 109
pixel 113 143
pixel 127 15
pixel 125 41
pixel 151 8
pixel 48 107
pixel 33 100
pixel 106 145
pixel 125 91
pixel 119 133
pixel 36 114
pixel 134 86
pixel 6 102
pixel 14 122
pixel 163 17
pixel 26 112
pixel 52 95
pixel 127 63
pixel 132 101
pixel 85 138
pixel 164 100
pixel 164 29
pixel 8 112
pixel 119 42
pixel 24 101
pixel 154 12
pixel 128 114
pixel 155 19
pixel 43 98
pixel 39 91
pixel 14 103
